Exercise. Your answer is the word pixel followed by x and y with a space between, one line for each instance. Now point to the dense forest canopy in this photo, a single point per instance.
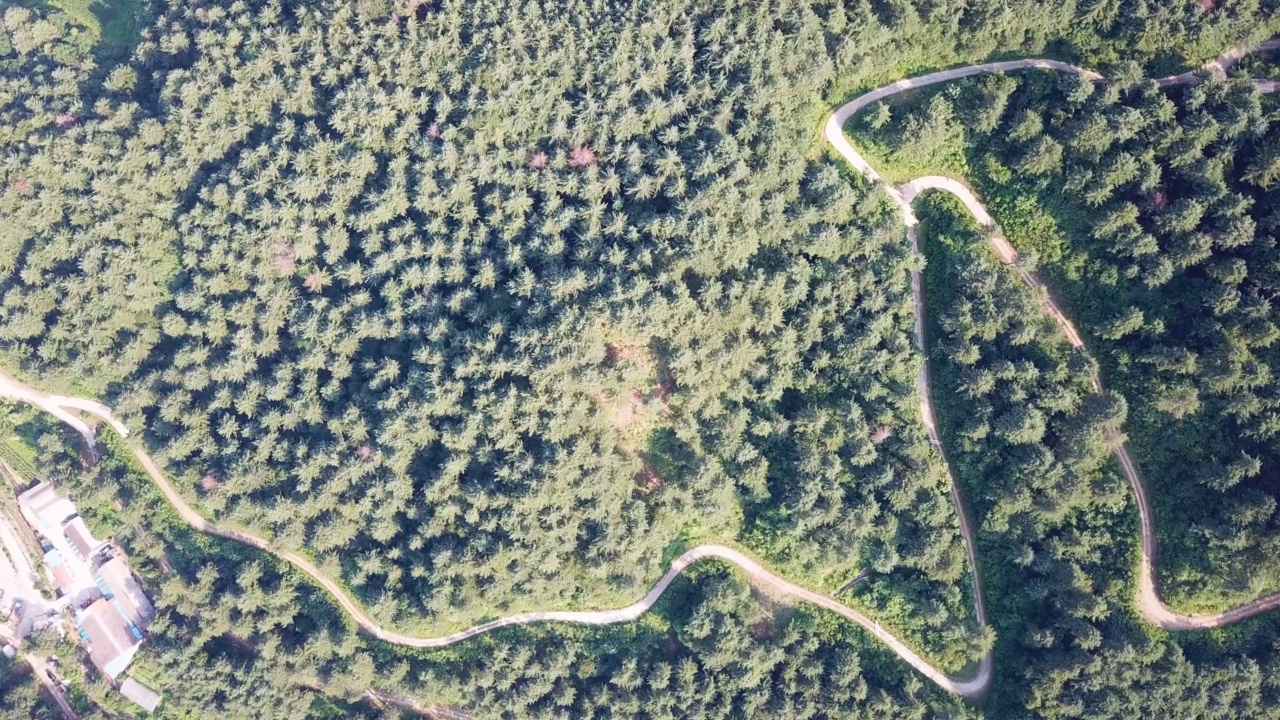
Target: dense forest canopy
pixel 490 345
pixel 491 307
pixel 1155 211
pixel 1057 541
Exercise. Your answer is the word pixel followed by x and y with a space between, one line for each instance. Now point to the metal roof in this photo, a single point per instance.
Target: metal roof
pixel 140 694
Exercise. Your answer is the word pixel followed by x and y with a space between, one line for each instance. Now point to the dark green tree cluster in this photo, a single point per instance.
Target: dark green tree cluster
pixel 1168 202
pixel 722 656
pixel 494 306
pixel 1058 537
pixel 1153 210
pixel 1167 37
pixel 483 343
pixel 238 635
pixel 241 636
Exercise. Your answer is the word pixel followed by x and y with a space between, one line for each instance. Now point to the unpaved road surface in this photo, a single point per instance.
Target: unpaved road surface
pixel 1149 603
pixel 40 666
pixel 761 576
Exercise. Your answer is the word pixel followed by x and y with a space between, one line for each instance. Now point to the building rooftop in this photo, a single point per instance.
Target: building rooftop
pixel 112 639
pixel 140 694
pixel 117 610
pixel 117 582
pixel 82 541
pixel 44 509
pixel 63 577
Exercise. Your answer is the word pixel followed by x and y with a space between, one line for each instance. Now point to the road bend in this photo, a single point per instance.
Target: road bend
pixel 972 687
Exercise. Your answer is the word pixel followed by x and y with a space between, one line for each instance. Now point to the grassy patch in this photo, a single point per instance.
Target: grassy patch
pixel 19 456
pixel 911 135
pixel 17 441
pixel 113 23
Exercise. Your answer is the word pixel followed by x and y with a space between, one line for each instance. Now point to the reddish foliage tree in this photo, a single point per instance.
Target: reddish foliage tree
pixel 315 282
pixel 539 161
pixel 666 388
pixel 582 156
pixel 283 256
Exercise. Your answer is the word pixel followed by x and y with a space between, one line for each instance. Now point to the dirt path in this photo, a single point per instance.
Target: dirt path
pixel 758 574
pixel 39 666
pixel 15 390
pixel 1152 608
pixel 1149 603
pixel 1217 68
pixel 436 712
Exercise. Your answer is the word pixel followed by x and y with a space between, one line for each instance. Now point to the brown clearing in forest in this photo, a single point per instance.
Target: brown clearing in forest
pixel 641 409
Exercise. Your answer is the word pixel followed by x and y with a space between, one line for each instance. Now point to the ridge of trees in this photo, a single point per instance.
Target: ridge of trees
pixel 376 328
pixel 1057 534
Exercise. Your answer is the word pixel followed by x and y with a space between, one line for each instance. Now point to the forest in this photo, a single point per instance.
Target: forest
pixel 1154 212
pixel 491 307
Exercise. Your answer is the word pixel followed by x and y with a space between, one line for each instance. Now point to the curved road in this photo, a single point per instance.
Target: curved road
pixel 1148 600
pixel 1149 603
pixel 758 574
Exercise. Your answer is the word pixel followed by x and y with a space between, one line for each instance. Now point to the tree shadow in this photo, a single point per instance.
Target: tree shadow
pixel 118 20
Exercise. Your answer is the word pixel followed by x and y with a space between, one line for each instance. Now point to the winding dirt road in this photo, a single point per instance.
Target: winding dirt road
pixel 1148 599
pixel 1153 609
pixel 1217 68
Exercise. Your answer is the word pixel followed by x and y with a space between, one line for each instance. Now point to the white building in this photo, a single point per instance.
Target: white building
pixel 112 611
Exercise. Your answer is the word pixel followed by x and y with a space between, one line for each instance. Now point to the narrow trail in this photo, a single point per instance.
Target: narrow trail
pixel 1152 608
pixel 758 574
pixel 975 687
pixel 436 712
pixel 39 667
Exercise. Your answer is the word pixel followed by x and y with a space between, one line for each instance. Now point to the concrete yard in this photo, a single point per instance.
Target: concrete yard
pixel 17 581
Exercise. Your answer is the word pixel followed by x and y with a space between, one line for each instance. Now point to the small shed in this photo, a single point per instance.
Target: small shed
pixel 63 579
pixel 140 694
